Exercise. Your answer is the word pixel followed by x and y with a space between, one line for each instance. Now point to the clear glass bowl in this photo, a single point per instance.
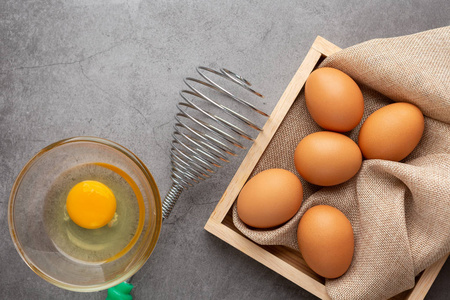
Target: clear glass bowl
pixel 29 228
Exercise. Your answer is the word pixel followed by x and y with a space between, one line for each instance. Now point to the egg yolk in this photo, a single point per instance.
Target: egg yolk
pixel 91 204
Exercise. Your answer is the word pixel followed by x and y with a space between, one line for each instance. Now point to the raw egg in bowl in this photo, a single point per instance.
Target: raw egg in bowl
pixel 85 214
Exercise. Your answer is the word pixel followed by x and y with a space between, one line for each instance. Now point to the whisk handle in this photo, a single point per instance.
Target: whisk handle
pixel 170 200
pixel 120 292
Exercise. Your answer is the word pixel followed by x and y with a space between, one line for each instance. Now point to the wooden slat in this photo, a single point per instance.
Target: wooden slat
pixel 264 257
pixel 294 258
pixel 426 280
pixel 325 47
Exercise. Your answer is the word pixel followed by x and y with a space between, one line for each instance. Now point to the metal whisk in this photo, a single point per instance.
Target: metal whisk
pixel 198 146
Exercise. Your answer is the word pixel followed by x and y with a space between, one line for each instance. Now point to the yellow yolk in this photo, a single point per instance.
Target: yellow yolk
pixel 91 204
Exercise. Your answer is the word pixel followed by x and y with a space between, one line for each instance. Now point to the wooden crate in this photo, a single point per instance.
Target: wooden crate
pixel 280 259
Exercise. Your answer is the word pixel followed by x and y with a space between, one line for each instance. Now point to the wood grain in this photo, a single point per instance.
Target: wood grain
pixel 324 46
pixel 426 280
pixel 268 259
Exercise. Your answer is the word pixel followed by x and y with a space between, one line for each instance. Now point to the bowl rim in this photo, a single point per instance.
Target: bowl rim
pixel 142 255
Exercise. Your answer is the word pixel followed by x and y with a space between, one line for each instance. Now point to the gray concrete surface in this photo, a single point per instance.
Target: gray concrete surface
pixel 113 69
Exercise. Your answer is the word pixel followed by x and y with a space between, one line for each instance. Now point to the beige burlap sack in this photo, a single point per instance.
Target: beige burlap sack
pixel 400 211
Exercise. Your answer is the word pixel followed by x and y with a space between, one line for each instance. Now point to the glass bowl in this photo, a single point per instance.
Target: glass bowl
pixel 65 254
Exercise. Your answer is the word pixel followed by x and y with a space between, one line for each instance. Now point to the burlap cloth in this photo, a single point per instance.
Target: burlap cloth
pixel 400 211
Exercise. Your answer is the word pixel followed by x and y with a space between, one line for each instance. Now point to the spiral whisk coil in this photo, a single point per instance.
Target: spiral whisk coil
pixel 203 141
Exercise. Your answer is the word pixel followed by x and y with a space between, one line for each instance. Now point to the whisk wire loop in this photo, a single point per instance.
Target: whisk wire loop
pixel 218 119
pixel 216 131
pixel 211 143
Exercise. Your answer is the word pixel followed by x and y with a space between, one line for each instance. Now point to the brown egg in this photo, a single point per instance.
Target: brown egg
pixel 334 100
pixel 327 158
pixel 325 239
pixel 392 132
pixel 270 198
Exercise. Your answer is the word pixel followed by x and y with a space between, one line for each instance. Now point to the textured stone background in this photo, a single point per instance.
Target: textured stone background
pixel 113 69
